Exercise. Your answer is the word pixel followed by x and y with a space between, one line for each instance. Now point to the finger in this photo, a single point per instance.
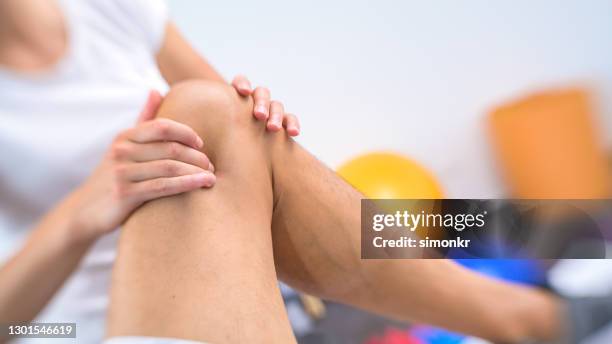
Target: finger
pixel 162 187
pixel 291 124
pixel 139 172
pixel 261 96
pixel 277 111
pixel 163 129
pixel 150 109
pixel 143 152
pixel 242 85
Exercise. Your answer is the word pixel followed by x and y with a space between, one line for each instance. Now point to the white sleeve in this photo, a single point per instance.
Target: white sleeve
pixel 150 18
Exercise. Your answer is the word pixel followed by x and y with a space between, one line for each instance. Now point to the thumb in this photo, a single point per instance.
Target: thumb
pixel 150 109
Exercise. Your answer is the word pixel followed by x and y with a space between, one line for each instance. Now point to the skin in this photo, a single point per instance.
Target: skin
pixel 231 289
pixel 270 211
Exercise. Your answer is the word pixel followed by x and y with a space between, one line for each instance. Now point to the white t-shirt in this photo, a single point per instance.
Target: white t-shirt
pixel 55 127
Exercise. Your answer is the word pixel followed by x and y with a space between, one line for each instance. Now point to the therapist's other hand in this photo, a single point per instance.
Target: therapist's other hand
pixel 153 159
pixel 266 109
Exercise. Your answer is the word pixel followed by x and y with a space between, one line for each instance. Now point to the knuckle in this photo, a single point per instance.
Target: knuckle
pixel 174 149
pixel 120 172
pixel 121 191
pixel 119 150
pixel 123 135
pixel 162 127
pixel 160 186
pixel 276 111
pixel 262 91
pixel 276 105
pixel 170 168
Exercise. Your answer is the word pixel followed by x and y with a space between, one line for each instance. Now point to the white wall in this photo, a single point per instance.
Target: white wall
pixel 416 77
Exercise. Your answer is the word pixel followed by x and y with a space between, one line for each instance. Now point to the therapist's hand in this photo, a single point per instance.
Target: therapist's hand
pixel 271 111
pixel 153 159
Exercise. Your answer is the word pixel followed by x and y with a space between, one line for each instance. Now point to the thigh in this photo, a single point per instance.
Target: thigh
pixel 316 224
pixel 200 265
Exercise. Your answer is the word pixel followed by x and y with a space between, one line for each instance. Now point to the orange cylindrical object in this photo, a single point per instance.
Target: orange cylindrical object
pixel 548 147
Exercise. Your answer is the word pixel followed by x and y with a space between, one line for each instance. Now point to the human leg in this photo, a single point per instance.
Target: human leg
pixel 316 236
pixel 200 265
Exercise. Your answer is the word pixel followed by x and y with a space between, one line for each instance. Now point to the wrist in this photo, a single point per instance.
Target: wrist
pixel 76 230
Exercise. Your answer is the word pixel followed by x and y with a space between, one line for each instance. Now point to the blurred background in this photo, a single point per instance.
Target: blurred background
pixel 416 77
pixel 430 80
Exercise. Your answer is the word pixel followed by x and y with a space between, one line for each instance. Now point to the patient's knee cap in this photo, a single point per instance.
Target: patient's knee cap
pixel 209 107
pixel 214 110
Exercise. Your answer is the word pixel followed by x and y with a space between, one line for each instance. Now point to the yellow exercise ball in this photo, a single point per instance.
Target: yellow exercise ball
pixel 390 176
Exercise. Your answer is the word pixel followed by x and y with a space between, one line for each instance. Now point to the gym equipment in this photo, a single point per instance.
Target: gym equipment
pixel 313 305
pixel 433 335
pixel 385 175
pixel 394 336
pixel 548 146
pixel 390 176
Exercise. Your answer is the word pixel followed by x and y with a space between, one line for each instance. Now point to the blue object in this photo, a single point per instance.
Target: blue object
pixel 432 335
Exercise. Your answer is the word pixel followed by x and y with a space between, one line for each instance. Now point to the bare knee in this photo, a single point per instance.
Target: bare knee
pixel 214 110
pixel 214 101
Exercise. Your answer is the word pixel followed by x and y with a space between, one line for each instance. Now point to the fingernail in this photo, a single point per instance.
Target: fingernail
pixel 211 167
pixel 206 179
pixel 273 125
pixel 261 109
pixel 199 142
pixel 293 130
